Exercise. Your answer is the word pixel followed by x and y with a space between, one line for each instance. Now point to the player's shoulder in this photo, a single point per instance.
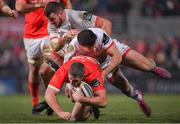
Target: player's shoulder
pixel 95 29
pixel 98 32
pixel 51 28
pixel 72 12
pixel 75 14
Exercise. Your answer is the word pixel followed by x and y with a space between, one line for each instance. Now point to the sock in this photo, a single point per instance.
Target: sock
pixel 154 64
pixel 34 92
pixel 133 94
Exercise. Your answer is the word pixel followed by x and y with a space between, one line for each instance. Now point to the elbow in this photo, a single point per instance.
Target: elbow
pixel 110 24
pixel 47 97
pixel 109 27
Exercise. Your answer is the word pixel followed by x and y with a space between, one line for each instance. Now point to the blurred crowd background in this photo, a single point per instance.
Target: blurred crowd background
pixel 152 27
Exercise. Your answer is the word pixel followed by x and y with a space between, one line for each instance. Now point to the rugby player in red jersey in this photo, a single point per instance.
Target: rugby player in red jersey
pixel 79 68
pixel 36 42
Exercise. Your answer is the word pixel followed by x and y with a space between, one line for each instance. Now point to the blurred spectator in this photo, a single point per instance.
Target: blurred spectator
pixel 12 54
pixel 160 8
pixel 122 8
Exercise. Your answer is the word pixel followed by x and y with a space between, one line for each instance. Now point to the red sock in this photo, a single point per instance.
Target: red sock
pixel 34 92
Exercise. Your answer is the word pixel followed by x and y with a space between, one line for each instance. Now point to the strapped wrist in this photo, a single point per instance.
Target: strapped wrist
pixel 37 5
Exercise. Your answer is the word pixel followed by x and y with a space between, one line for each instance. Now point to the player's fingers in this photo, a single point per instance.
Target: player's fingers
pixel 68 116
pixel 13 13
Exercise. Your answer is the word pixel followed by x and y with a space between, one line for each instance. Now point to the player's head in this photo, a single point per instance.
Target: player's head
pixel 55 13
pixel 76 73
pixel 87 39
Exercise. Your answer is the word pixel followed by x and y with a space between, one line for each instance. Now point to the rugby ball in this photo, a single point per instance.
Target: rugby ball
pixel 84 88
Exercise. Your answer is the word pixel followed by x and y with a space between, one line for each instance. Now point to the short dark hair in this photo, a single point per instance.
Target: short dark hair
pixel 53 7
pixel 77 69
pixel 86 38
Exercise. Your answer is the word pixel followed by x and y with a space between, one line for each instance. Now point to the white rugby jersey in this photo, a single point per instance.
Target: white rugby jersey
pixel 102 43
pixel 79 20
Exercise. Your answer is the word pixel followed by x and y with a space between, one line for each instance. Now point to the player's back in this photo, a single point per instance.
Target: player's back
pixel 35 22
pixel 102 43
pixel 79 20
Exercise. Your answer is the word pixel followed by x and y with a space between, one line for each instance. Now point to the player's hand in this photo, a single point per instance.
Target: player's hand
pixel 77 96
pixel 68 93
pixel 70 35
pixel 65 115
pixel 13 13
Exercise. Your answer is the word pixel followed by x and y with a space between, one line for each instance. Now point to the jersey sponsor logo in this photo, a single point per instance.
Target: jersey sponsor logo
pixel 105 39
pixel 87 16
pixel 95 83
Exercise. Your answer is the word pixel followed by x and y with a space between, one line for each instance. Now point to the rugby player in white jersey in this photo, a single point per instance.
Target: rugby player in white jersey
pixel 96 43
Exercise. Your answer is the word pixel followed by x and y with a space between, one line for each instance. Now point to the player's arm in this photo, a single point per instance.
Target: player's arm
pixel 7 10
pixel 24 7
pixel 50 97
pixel 99 99
pixel 115 60
pixel 53 89
pixel 88 20
pixel 104 24
pixel 59 41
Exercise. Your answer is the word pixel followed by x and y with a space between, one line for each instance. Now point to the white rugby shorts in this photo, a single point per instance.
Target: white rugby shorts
pixel 34 47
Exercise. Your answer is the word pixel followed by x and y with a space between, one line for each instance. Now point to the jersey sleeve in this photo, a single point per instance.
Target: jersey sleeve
pixel 93 76
pixel 82 19
pixel 103 38
pixel 97 84
pixel 58 79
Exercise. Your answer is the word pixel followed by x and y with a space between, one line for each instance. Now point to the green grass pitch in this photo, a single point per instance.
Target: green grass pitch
pixel 165 108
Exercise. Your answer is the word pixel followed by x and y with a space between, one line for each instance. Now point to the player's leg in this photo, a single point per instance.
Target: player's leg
pixel 46 74
pixel 121 82
pixel 34 56
pixel 34 81
pixel 80 112
pixel 138 61
pixel 52 61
